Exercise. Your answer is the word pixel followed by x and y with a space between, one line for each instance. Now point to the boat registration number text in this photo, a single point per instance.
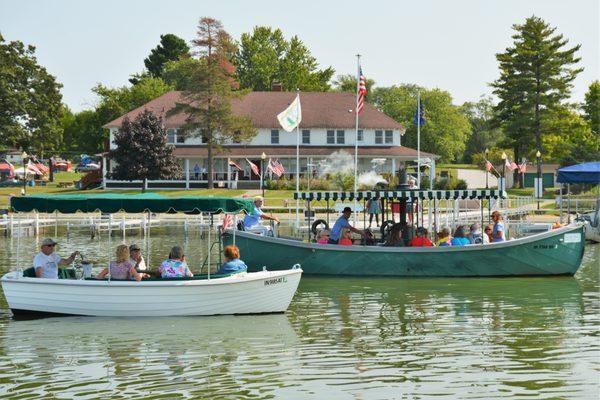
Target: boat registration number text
pixel 275 281
pixel 572 238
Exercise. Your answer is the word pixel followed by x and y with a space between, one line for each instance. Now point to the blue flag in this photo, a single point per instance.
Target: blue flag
pixel 419 114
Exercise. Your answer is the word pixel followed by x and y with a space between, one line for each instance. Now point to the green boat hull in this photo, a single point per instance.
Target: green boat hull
pixel 558 252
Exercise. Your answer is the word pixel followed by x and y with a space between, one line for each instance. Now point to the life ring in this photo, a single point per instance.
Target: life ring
pixel 315 225
pixel 385 227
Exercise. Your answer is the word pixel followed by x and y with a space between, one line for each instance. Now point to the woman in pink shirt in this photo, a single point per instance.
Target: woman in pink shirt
pixel 122 268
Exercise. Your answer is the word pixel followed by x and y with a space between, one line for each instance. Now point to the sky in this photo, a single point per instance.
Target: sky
pixel 443 44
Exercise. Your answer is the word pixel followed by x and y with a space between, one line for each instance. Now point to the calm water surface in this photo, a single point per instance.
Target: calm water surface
pixel 341 339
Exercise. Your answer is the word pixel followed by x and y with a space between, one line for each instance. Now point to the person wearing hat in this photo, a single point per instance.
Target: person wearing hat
pixel 46 262
pixel 342 222
pixel 252 220
pixel 136 258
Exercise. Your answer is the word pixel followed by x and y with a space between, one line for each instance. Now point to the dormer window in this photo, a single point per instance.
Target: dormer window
pixel 389 137
pixel 171 136
pixel 275 136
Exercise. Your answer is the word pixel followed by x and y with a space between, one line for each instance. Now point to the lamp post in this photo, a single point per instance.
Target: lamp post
pixel 503 183
pixel 24 157
pixel 538 186
pixel 263 157
pixel 487 151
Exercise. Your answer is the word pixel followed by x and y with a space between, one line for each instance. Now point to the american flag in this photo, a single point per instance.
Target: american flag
pixel 362 91
pixel 488 166
pixel 253 167
pixel 276 167
pixel 235 165
pixel 523 167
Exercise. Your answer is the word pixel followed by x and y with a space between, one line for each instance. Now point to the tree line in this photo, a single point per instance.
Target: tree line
pixel 531 110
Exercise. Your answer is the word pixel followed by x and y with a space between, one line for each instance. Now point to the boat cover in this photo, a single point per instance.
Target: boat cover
pixel 403 194
pixel 580 173
pixel 132 203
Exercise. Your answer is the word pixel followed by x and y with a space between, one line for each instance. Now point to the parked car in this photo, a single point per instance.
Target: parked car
pixel 87 167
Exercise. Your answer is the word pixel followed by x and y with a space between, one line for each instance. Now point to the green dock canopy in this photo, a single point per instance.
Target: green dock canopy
pixel 131 203
pixel 403 194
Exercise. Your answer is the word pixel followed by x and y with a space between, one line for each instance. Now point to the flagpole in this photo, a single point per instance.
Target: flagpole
pixel 356 136
pixel 419 140
pixel 297 168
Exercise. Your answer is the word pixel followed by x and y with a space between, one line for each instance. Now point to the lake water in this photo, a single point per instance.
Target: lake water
pixel 341 339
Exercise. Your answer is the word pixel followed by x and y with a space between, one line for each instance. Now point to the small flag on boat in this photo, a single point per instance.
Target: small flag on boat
pixel 253 167
pixel 291 117
pixel 488 165
pixel 523 167
pixel 235 165
pixel 227 221
pixel 362 91
pixel 276 168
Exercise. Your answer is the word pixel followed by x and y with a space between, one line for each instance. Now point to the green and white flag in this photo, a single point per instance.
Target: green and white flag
pixel 290 117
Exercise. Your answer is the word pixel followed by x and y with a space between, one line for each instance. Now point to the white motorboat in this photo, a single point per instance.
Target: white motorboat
pixel 245 293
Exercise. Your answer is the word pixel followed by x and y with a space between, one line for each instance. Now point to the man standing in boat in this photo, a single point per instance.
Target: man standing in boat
pixel 252 220
pixel 47 261
pixel 499 232
pixel 342 222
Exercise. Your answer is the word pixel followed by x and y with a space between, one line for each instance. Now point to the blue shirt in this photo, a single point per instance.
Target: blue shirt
pixel 235 265
pixel 460 241
pixel 253 218
pixel 498 227
pixel 336 231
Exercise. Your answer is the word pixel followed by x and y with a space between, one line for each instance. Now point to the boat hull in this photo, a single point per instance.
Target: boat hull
pixel 252 293
pixel 557 252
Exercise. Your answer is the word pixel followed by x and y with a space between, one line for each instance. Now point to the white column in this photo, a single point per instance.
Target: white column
pixel 187 173
pixel 393 166
pixel 104 161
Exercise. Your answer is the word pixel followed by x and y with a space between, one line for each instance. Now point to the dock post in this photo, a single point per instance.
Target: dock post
pixel 36 225
pixel 123 227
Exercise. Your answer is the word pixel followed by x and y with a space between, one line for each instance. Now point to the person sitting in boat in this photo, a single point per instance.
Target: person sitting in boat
pixel 175 266
pixel 395 238
pixel 475 236
pixel 252 220
pixel 444 238
pixel 487 234
pixel 346 238
pixel 341 223
pixel 122 267
pixel 46 262
pixel 136 258
pixel 460 237
pixel 498 233
pixel 422 239
pixel 323 236
pixel 232 264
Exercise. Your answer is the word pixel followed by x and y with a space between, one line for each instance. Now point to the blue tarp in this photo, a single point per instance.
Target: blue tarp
pixel 580 173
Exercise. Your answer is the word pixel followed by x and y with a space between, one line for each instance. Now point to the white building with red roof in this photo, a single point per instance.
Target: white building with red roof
pixel 327 127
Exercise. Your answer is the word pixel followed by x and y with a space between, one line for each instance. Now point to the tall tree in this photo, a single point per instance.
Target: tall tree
pixel 142 151
pixel 30 100
pixel 536 75
pixel 209 91
pixel 483 134
pixel 170 48
pixel 447 128
pixel 591 107
pixel 265 57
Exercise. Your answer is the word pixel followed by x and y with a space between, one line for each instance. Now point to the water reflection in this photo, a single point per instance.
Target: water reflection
pixel 341 338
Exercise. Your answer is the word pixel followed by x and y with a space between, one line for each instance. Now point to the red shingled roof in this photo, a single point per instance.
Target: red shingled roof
pixel 319 110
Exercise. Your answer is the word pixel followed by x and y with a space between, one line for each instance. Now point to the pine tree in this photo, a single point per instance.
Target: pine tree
pixel 209 92
pixel 536 76
pixel 143 152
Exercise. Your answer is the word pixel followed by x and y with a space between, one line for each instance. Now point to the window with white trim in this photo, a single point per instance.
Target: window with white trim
pixel 331 137
pixel 389 137
pixel 378 137
pixel 275 136
pixel 360 136
pixel 170 136
pixel 305 136
pixel 341 137
pixel 180 137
